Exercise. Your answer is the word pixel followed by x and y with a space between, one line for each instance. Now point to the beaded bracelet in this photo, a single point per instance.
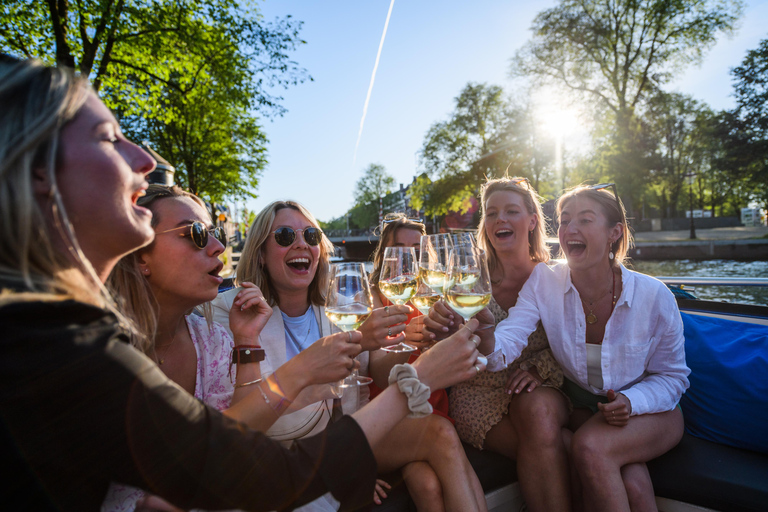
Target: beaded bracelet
pixel 417 392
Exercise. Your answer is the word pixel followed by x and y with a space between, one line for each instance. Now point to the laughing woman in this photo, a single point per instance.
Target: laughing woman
pixel 519 412
pixel 286 256
pixel 619 338
pixel 79 406
pixel 177 272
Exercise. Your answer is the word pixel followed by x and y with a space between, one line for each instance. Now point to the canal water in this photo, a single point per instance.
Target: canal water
pixel 713 268
pixel 708 268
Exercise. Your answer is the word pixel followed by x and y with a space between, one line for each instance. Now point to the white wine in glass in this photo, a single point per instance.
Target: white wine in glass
pixel 348 304
pixel 398 282
pixel 467 281
pixel 433 260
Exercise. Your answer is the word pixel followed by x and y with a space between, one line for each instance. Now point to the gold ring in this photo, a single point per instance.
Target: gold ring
pixel 477 369
pixel 475 340
pixel 349 336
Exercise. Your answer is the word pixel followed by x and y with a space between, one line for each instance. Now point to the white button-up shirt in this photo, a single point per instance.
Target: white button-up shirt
pixel 643 353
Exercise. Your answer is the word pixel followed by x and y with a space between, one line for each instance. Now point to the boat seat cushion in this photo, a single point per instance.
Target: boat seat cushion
pixel 712 475
pixel 728 399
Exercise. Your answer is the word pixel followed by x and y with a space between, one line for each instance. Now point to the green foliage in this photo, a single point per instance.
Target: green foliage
pixel 615 53
pixel 187 75
pixel 375 183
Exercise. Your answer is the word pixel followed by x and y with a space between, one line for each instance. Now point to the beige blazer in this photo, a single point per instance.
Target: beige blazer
pixel 313 417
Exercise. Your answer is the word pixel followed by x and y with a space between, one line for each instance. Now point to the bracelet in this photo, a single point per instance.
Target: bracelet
pixel 417 392
pixel 247 383
pixel 277 408
pixel 244 354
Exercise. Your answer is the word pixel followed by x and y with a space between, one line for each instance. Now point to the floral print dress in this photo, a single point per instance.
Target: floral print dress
pixel 476 405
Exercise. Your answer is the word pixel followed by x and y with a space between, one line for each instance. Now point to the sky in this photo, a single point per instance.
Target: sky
pixel 431 51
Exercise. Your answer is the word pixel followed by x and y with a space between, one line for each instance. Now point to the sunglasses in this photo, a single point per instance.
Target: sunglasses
pixel 285 236
pixel 392 217
pixel 199 234
pixel 602 186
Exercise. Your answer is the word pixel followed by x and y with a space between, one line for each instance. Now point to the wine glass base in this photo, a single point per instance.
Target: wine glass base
pixel 399 348
pixel 355 380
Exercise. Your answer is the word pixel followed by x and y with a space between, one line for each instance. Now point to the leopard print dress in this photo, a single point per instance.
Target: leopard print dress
pixel 480 402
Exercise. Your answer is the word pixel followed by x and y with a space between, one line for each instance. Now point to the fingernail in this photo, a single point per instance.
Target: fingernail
pixel 509 391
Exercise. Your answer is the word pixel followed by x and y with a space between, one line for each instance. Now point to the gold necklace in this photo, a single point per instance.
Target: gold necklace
pixel 160 360
pixel 591 317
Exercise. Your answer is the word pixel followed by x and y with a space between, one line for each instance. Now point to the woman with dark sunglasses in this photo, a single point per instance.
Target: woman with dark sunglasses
pixel 286 256
pixel 79 406
pixel 618 336
pixel 179 271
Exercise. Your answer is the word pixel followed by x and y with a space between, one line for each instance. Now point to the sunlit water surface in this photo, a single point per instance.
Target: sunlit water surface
pixel 711 268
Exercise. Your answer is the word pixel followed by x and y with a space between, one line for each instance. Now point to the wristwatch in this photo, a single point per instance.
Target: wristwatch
pixel 247 354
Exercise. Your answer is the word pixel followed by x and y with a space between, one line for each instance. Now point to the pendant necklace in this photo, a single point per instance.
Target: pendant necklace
pixel 161 360
pixel 591 317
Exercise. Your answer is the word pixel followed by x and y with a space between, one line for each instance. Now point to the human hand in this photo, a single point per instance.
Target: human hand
pixel 248 315
pixel 379 492
pixel 329 359
pixel 384 327
pixel 442 321
pixel 616 412
pixel 152 503
pixel 416 334
pixel 451 361
pixel 521 380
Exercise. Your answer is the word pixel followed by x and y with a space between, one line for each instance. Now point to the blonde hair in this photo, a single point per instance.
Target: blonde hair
pixel 387 239
pixel 537 247
pixel 614 212
pixel 37 102
pixel 251 265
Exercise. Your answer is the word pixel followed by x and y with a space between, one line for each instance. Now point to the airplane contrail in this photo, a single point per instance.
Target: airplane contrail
pixel 370 86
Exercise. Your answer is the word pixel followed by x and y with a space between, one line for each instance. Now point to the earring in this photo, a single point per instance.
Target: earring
pixel 610 251
pixel 146 271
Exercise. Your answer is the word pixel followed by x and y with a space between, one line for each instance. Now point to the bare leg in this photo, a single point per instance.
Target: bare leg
pixel 424 487
pixel 538 418
pixel 433 439
pixel 601 450
pixel 637 482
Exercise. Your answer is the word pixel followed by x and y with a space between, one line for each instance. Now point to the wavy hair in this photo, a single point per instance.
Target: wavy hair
pixel 251 265
pixel 614 212
pixel 537 247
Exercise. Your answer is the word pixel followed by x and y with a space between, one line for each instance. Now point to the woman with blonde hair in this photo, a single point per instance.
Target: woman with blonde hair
pixel 161 283
pixel 426 450
pixel 619 338
pixel 286 255
pixel 520 411
pixel 80 407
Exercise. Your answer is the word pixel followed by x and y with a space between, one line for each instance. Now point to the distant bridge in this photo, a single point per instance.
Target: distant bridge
pixel 353 244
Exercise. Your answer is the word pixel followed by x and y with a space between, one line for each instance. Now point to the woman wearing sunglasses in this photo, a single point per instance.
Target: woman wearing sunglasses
pixel 427 450
pixel 179 271
pixel 618 336
pixel 79 406
pixel 519 412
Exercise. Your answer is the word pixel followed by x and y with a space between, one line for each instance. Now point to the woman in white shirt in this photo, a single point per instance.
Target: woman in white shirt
pixel 619 338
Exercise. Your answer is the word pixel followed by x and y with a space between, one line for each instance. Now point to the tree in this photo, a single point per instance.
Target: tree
pixel 375 184
pixel 746 128
pixel 457 154
pixel 188 75
pixel 615 52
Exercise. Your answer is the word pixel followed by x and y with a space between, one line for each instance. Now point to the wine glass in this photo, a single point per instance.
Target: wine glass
pixel 348 304
pixel 433 260
pixel 398 281
pixel 467 286
pixel 463 238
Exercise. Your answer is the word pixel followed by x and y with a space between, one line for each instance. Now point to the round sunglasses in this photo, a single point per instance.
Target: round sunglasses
pixel 199 234
pixel 285 236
